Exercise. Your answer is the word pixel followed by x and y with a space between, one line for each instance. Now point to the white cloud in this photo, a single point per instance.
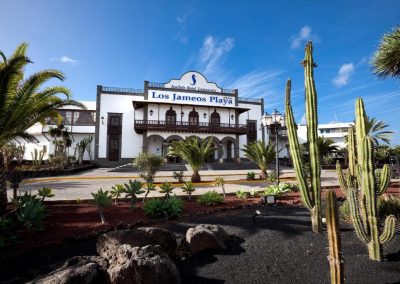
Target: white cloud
pixel 182 35
pixel 212 51
pixel 343 75
pixel 66 59
pixel 304 35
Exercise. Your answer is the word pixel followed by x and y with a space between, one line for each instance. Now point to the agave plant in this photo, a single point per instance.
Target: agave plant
pixel 103 200
pixel 45 192
pixel 166 188
pixel 30 211
pixel 116 192
pixel 149 187
pixel 219 181
pixel 188 187
pixel 132 189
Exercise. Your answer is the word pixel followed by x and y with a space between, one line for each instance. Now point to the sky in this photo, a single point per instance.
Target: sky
pixel 254 46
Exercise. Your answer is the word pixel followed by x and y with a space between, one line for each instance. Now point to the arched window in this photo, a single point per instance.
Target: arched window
pixel 215 118
pixel 193 118
pixel 170 116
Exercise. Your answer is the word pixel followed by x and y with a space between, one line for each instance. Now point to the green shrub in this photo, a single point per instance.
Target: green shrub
pixel 149 163
pixel 45 192
pixel 272 176
pixel 166 188
pixel 278 190
pixel 188 188
pixel 242 194
pixel 167 207
pixel 211 198
pixel 30 211
pixel 179 176
pixel 103 200
pixel 251 176
pixel 389 205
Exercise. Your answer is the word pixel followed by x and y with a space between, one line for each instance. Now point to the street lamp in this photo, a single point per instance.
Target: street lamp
pixel 276 122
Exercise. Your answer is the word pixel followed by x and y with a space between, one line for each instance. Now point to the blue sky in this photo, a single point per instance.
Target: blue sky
pixel 250 45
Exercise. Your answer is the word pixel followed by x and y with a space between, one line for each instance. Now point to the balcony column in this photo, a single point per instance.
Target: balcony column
pixel 236 150
pixel 220 152
pixel 145 143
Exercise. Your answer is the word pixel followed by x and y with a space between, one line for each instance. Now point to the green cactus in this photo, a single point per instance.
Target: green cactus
pixel 37 158
pixel 332 223
pixel 362 185
pixel 310 193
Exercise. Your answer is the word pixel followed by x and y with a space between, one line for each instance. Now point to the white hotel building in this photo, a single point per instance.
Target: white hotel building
pixel 134 120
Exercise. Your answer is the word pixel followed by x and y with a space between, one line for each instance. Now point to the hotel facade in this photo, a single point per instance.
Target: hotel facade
pixel 131 121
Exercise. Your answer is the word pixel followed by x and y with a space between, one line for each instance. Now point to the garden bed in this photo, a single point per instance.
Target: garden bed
pixel 25 174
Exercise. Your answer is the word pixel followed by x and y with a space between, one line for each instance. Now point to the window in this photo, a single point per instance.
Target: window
pixel 170 116
pixel 215 118
pixel 193 118
pixel 252 131
pixel 115 120
pixel 68 117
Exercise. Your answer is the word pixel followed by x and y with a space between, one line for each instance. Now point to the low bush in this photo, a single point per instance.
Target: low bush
pixel 278 190
pixel 272 176
pixel 188 187
pixel 210 198
pixel 242 194
pixel 251 176
pixel 163 208
pixel 179 176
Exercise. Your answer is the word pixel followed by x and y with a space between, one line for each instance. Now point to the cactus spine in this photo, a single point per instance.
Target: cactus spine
pixel 363 186
pixel 335 254
pixel 311 194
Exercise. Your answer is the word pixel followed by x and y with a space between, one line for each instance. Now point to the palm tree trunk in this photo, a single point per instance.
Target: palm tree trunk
pixel 3 185
pixel 263 174
pixel 196 177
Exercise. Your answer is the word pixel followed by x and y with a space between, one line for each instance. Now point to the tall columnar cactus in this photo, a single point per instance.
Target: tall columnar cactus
pixel 362 185
pixel 37 157
pixel 310 193
pixel 335 254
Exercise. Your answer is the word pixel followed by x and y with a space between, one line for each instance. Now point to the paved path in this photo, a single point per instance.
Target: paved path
pixel 81 185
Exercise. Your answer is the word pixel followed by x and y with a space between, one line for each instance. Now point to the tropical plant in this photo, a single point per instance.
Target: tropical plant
pixel 103 200
pixel 242 194
pixel 386 61
pixel 382 153
pixel 179 176
pixel 30 211
pixel 149 187
pixel 83 146
pixel 362 187
pixel 194 151
pixel 166 187
pixel 22 103
pixel 273 176
pixel 335 246
pixel 45 192
pixel 188 187
pixel 261 154
pixel 165 207
pixel 149 163
pixel 389 205
pixel 116 192
pixel 251 176
pixel 210 198
pixel 132 189
pixel 37 158
pixel 220 181
pixel 278 190
pixel 62 139
pixel 376 130
pixel 310 193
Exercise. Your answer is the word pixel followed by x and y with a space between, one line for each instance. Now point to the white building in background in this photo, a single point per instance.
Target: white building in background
pixel 335 131
pixel 80 123
pixel 134 120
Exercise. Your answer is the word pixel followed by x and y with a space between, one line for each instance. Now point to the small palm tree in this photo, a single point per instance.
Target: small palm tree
pixel 386 61
pixel 193 151
pixel 103 200
pixel 166 188
pixel 132 189
pixel 188 187
pixel 116 192
pixel 219 181
pixel 22 103
pixel 376 130
pixel 261 154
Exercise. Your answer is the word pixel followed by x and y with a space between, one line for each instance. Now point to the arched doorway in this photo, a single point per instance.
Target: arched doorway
pixel 173 160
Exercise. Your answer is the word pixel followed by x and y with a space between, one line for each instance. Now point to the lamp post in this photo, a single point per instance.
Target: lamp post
pixel 276 122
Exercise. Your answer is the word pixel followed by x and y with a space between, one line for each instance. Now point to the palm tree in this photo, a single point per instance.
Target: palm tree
pixel 22 103
pixel 193 151
pixel 260 154
pixel 326 147
pixel 386 61
pixel 375 129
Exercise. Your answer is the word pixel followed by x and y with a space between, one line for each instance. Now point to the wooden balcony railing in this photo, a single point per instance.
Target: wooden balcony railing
pixel 185 126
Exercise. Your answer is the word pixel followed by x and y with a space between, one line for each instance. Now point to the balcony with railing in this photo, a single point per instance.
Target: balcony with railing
pixel 185 126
